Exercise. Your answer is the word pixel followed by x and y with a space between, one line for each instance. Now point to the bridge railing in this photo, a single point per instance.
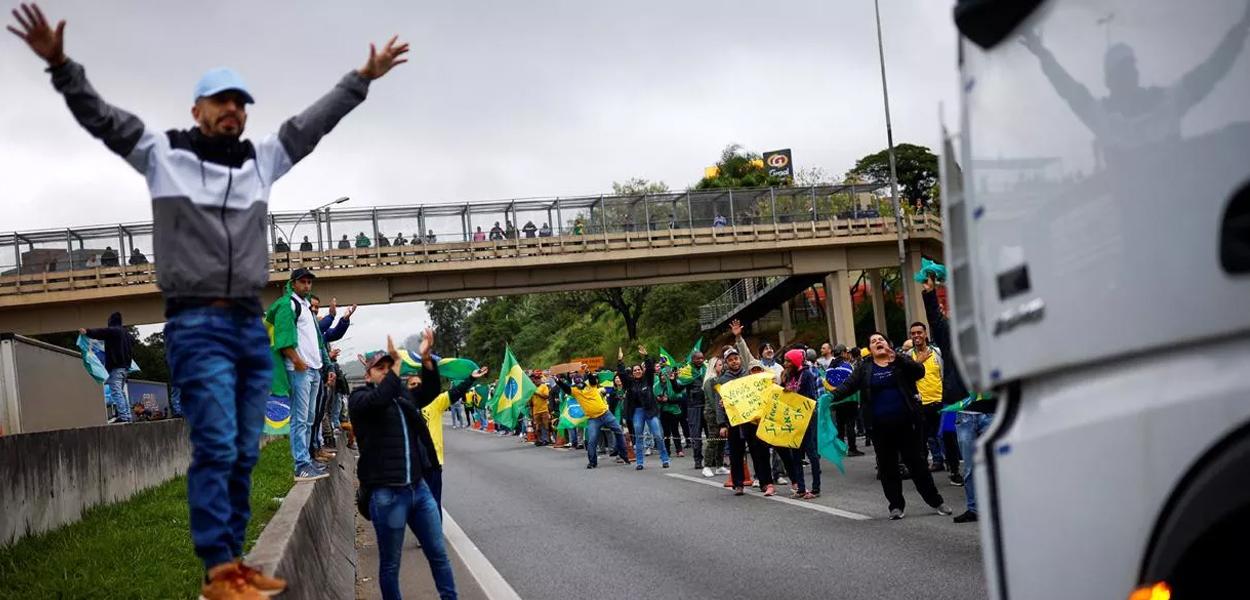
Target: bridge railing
pixel 52 260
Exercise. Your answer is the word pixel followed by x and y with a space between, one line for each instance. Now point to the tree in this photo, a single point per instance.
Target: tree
pixel 917 169
pixel 739 168
pixel 150 356
pixel 450 319
pixel 628 303
pixel 636 186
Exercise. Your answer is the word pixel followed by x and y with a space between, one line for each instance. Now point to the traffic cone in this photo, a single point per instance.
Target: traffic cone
pixel 560 441
pixel 530 436
pixel 490 427
pixel 629 448
pixel 746 471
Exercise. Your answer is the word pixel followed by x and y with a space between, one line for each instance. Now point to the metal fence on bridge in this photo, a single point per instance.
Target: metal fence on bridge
pixel 29 260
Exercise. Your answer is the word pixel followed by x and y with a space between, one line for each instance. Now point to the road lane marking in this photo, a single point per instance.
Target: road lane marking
pixel 492 583
pixel 837 512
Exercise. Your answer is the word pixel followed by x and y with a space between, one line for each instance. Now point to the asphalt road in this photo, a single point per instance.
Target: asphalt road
pixel 556 530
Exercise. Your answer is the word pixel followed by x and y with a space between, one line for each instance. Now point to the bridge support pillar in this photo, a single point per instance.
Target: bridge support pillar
pixel 838 309
pixel 787 325
pixel 878 300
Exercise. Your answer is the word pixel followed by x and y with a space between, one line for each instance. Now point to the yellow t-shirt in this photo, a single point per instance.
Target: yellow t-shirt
pixel 591 400
pixel 930 387
pixel 433 413
pixel 538 402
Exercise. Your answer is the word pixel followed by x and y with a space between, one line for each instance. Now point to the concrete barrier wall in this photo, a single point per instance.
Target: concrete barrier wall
pixel 311 540
pixel 48 479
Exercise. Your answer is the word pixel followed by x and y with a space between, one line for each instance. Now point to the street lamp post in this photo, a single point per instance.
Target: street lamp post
pixel 889 136
pixel 294 227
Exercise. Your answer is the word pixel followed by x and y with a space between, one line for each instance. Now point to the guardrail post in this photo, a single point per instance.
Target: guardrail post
pixel 733 223
pixel 646 215
pixel 772 201
pixel 603 216
pixel 813 193
pixel 377 235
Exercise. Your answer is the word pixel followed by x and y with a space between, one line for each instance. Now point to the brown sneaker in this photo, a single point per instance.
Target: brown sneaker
pixel 323 456
pixel 227 582
pixel 264 584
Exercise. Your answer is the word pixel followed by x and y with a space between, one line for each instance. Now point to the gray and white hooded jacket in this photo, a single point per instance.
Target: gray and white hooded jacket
pixel 210 195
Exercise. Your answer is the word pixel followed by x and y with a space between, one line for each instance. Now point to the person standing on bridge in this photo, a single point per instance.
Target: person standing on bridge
pixel 117 359
pixel 209 180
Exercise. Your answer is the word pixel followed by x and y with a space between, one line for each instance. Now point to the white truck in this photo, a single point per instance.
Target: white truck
pixel 1098 244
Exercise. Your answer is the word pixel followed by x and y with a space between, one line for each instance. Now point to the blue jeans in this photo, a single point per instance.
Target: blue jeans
pixel 219 360
pixel 653 427
pixel 413 505
pixel 336 410
pixel 968 427
pixel 175 401
pixel 457 415
pixel 592 436
pixel 304 386
pixel 117 393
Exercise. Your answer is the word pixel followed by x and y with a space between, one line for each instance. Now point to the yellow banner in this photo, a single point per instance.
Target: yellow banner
pixel 784 419
pixel 743 398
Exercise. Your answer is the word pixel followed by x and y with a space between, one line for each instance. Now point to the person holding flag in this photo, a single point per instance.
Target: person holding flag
pixel 596 415
pixel 892 415
pixel 512 393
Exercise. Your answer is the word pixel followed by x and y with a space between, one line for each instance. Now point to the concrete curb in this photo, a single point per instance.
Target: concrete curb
pixel 311 540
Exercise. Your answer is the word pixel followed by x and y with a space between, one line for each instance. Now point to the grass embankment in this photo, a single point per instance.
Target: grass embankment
pixel 140 548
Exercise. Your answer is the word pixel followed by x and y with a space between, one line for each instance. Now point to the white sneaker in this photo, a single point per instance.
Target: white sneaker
pixel 707 472
pixel 782 481
pixel 648 452
pixel 722 470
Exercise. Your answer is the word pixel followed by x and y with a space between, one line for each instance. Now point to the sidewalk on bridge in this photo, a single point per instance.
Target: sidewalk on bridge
pixel 414 572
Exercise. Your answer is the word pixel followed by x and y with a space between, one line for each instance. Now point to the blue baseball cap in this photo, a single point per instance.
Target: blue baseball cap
pixel 219 80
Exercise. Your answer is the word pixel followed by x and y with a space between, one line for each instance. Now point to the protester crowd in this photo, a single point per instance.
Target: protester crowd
pixel 907 402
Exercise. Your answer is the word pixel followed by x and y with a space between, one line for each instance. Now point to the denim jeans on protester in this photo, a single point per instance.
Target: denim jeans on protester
pixel 336 410
pixel 117 394
pixel 413 506
pixel 457 415
pixel 653 428
pixel 968 427
pixel 932 424
pixel 318 411
pixel 303 392
pixel 593 426
pixel 219 360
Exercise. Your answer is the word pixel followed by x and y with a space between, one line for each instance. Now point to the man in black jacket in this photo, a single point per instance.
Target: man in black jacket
pixel 117 344
pixel 396 452
pixel 886 383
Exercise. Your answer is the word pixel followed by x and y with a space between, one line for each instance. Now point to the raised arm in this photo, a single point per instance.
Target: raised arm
pixel 121 132
pixel 1078 97
pixel 736 328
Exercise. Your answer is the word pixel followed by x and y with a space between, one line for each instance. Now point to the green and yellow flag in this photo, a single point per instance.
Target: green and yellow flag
pixel 512 391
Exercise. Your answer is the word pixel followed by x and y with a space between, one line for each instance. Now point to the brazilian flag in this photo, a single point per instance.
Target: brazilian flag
pixel 512 391
pixel 571 414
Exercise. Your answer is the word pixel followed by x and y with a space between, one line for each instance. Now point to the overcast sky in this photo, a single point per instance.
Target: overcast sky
pixel 500 99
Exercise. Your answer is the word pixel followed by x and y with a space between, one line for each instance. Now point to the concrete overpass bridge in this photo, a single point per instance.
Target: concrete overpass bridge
pixel 59 280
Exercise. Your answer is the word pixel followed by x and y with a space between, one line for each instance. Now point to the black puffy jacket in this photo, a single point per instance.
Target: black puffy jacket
pixel 906 373
pixel 379 414
pixel 639 393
